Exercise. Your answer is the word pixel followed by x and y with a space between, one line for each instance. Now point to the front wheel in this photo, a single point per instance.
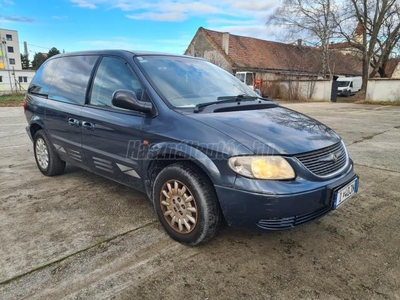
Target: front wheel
pixel 186 204
pixel 47 159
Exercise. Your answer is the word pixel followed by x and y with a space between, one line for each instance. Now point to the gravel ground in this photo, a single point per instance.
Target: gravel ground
pixel 79 236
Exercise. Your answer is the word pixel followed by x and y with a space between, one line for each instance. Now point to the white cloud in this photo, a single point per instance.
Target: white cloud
pixel 85 3
pixel 177 46
pixel 256 5
pixel 178 10
pixel 230 21
pixel 167 17
pixel 240 17
pixel 15 19
pixel 257 31
pixel 168 11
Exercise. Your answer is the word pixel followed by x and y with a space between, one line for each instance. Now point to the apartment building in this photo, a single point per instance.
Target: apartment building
pixel 12 77
pixel 10 55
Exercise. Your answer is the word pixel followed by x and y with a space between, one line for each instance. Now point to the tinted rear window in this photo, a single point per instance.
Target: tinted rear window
pixel 41 81
pixel 70 78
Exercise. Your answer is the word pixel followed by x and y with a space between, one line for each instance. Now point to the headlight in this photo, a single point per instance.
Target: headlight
pixel 262 167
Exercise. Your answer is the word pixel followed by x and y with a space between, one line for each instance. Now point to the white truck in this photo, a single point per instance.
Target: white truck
pixel 349 85
pixel 246 77
pixel 253 83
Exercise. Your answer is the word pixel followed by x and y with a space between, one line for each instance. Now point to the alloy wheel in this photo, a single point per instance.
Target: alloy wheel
pixel 42 153
pixel 178 206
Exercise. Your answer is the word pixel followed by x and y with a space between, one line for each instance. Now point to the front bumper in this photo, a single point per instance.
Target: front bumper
pixel 245 209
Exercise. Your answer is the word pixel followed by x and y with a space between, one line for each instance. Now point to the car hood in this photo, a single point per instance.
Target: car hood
pixel 275 130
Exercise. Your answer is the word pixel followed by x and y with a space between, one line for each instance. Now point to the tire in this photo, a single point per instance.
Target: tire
pixel 46 158
pixel 181 191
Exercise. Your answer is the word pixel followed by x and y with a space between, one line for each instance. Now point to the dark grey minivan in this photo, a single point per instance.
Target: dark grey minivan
pixel 202 145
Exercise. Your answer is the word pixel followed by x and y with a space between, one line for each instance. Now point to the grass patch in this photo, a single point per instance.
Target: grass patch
pixel 391 103
pixel 12 100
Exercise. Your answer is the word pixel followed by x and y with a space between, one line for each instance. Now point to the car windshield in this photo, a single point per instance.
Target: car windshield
pixel 186 82
pixel 343 83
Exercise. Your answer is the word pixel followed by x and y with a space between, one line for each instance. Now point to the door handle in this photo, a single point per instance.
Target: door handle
pixel 88 125
pixel 73 122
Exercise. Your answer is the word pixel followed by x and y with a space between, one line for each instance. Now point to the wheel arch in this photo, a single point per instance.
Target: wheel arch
pixel 35 124
pixel 164 154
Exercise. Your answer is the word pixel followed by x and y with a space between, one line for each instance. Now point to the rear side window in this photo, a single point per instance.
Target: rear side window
pixel 40 84
pixel 113 74
pixel 70 78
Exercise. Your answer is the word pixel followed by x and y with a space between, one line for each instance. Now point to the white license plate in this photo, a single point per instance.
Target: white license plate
pixel 345 193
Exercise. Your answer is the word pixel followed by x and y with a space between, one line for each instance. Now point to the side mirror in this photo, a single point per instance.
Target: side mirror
pixel 127 99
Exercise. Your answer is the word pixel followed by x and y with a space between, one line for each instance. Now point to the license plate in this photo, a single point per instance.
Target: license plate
pixel 345 193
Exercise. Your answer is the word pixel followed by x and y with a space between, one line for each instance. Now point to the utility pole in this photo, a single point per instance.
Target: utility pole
pixel 3 42
pixel 26 49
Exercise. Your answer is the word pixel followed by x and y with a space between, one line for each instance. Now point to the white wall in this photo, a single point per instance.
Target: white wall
pixel 322 89
pixel 8 86
pixel 383 90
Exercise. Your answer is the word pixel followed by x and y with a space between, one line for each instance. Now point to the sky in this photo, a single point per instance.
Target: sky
pixel 152 25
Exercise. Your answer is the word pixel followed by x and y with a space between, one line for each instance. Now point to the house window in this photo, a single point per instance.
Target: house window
pixel 10 49
pixel 12 61
pixel 8 37
pixel 22 79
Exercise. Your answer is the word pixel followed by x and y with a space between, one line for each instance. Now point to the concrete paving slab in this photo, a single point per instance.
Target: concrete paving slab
pixel 79 236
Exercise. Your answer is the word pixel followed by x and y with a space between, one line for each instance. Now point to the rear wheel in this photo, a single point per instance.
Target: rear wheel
pixel 47 159
pixel 186 204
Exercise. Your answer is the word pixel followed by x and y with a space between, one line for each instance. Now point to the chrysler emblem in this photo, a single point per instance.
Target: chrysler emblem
pixel 333 157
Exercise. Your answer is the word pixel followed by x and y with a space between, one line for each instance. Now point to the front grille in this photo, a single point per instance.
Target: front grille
pixel 290 222
pixel 326 161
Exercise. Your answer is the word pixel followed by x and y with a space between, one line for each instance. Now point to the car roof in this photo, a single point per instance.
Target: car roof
pixel 119 52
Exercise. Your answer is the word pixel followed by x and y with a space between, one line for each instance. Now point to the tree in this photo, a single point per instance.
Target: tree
pixel 387 41
pixel 38 59
pixel 53 51
pixel 379 21
pixel 310 20
pixel 25 61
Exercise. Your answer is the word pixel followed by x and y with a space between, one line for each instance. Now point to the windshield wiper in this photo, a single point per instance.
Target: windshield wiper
pixel 224 99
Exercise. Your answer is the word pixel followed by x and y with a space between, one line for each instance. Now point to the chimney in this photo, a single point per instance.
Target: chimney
pixel 359 29
pixel 299 42
pixel 225 42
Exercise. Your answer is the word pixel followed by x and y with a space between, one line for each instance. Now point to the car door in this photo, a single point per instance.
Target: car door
pixel 111 136
pixel 66 97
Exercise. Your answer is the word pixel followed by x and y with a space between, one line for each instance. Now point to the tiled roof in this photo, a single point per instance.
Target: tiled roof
pixel 344 45
pixel 391 66
pixel 251 53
